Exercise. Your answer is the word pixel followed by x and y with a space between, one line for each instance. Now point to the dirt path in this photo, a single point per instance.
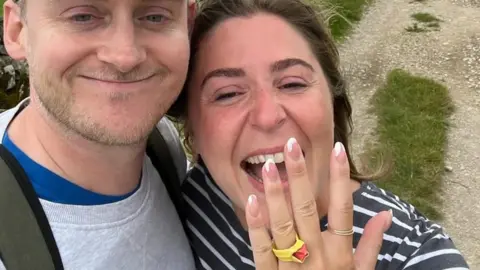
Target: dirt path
pixel 451 56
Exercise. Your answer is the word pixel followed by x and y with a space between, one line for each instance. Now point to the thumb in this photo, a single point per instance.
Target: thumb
pixel 370 243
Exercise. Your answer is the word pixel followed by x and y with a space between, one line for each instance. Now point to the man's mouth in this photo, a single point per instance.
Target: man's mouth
pixel 119 81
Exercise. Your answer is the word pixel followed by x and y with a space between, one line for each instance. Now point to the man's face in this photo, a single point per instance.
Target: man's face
pixel 106 69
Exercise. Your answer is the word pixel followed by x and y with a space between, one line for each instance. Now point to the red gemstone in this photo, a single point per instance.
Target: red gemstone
pixel 302 253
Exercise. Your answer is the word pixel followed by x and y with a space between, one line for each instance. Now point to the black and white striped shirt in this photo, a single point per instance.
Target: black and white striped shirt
pixel 220 242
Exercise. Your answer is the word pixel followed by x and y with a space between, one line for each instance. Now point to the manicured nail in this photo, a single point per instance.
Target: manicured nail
pixel 253 205
pixel 270 170
pixel 294 149
pixel 339 150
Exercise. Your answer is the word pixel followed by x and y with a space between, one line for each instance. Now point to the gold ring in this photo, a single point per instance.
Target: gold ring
pixel 342 232
pixel 298 252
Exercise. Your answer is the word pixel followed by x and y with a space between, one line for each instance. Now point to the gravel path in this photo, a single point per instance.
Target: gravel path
pixel 451 56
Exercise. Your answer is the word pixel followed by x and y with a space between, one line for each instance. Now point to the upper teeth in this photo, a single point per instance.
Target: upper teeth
pixel 277 158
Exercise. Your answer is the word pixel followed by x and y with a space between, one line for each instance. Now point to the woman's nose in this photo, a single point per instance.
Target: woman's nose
pixel 267 113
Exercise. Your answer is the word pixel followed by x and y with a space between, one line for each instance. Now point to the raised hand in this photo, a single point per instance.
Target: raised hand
pixel 298 242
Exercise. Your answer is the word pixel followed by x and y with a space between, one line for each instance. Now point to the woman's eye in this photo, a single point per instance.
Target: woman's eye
pixel 294 85
pixel 225 96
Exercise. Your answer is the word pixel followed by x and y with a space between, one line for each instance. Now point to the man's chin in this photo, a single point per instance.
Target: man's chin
pixel 113 135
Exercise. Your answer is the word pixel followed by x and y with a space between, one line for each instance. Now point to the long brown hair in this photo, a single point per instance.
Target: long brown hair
pixel 304 19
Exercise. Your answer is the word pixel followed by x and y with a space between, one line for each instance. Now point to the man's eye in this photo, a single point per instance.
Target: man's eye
pixel 82 17
pixel 156 18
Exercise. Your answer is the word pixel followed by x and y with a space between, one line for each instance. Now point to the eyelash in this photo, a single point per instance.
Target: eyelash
pixel 86 18
pixel 228 95
pixel 80 15
pixel 295 85
pixel 233 94
pixel 162 17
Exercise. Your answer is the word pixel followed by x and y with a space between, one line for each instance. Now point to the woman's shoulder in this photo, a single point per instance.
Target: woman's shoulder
pixel 213 228
pixel 207 205
pixel 412 241
pixel 370 198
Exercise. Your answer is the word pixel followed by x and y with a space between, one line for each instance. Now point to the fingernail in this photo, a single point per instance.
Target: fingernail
pixel 391 212
pixel 293 148
pixel 270 170
pixel 253 205
pixel 339 151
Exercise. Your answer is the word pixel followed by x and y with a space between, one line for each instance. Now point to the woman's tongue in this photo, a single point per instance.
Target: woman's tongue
pixel 282 171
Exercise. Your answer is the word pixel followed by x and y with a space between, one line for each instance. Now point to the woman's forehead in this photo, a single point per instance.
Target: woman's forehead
pixel 257 40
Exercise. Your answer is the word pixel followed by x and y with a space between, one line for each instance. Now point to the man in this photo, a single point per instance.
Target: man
pixel 102 75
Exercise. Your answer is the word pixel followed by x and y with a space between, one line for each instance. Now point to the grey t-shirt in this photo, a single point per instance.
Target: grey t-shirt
pixel 142 231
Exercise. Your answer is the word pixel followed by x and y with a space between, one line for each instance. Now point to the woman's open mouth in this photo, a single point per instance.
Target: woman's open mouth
pixel 253 165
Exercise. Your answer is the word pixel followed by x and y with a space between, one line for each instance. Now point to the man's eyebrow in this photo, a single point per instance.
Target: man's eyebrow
pixel 223 72
pixel 283 64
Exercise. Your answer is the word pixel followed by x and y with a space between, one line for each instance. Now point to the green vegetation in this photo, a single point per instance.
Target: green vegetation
pixel 345 14
pixel 414 28
pixel 412 129
pixel 425 22
pixel 425 17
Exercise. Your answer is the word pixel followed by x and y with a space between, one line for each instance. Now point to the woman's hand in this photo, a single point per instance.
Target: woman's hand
pixel 328 250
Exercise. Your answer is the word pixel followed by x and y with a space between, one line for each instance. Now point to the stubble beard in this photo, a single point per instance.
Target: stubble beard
pixel 59 104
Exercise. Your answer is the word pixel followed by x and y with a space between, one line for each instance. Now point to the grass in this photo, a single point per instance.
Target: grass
pixel 425 17
pixel 347 12
pixel 412 128
pixel 414 28
pixel 425 22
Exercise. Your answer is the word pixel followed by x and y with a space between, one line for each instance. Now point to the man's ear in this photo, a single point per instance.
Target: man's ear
pixel 13 30
pixel 192 12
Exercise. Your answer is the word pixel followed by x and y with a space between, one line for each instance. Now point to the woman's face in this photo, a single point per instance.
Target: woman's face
pixel 257 83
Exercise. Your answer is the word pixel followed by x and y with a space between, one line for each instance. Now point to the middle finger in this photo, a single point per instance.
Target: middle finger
pixel 303 200
pixel 281 222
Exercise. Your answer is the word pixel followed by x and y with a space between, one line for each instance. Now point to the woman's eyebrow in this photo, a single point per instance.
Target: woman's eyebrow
pixel 277 66
pixel 283 64
pixel 223 72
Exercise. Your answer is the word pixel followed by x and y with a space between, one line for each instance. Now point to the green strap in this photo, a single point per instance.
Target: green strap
pixel 26 240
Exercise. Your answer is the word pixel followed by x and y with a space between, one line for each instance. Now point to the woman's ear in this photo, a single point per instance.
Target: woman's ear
pixel 192 12
pixel 13 30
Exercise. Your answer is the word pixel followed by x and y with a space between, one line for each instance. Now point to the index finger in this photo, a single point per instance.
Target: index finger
pixel 260 240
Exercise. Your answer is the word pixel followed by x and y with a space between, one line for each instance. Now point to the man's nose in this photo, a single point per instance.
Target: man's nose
pixel 122 48
pixel 268 113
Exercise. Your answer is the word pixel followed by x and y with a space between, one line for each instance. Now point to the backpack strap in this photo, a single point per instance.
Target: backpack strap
pixel 26 240
pixel 163 160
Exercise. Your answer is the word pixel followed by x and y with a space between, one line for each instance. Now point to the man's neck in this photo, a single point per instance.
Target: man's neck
pixel 109 170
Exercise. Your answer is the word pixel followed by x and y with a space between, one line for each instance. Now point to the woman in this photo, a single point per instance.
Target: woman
pixel 264 105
